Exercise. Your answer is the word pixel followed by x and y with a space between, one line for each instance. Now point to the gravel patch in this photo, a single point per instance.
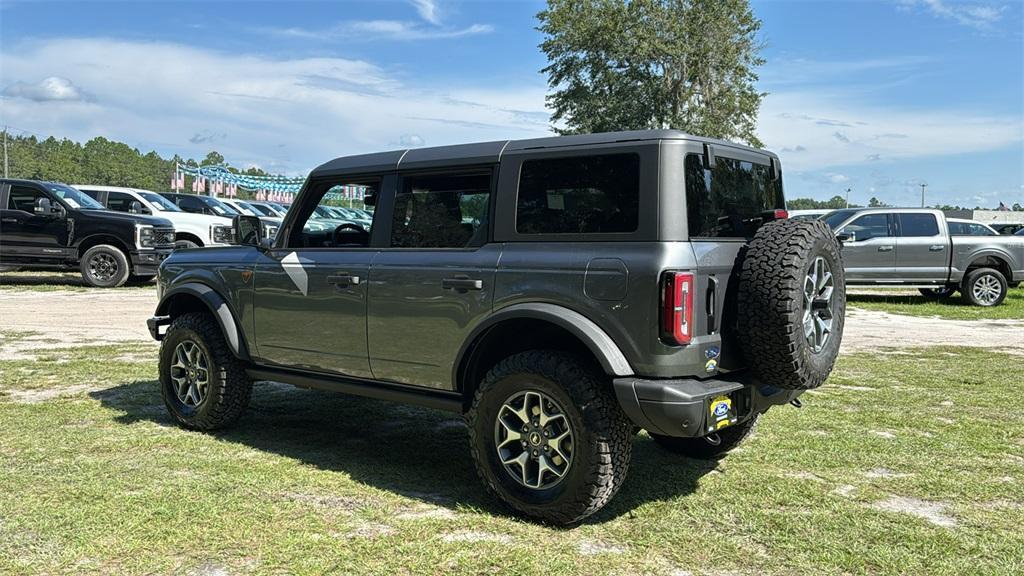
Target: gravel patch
pixel 934 512
pixel 873 331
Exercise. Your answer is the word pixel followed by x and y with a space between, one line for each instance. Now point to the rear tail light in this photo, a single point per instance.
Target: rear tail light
pixel 781 214
pixel 677 307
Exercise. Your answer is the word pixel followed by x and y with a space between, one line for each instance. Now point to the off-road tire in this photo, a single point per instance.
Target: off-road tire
pixel 771 303
pixel 982 275
pixel 602 438
pixel 112 254
pixel 5 269
pixel 183 243
pixel 701 449
pixel 230 387
pixel 937 293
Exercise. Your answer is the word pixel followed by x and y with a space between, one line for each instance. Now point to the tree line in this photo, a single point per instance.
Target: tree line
pixel 100 162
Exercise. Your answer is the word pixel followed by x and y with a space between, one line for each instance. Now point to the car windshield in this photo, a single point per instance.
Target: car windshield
pixel 160 203
pixel 74 198
pixel 219 207
pixel 262 209
pixel 834 219
pixel 322 212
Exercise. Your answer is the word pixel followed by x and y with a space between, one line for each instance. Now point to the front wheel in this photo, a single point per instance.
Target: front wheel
pixel 984 287
pixel 104 266
pixel 937 293
pixel 202 383
pixel 711 446
pixel 548 436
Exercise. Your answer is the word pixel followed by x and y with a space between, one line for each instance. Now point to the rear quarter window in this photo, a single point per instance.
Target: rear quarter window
pixel 597 194
pixel 729 200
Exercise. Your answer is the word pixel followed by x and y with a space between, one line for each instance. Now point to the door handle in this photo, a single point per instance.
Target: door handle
pixel 343 280
pixel 885 248
pixel 462 284
pixel 936 248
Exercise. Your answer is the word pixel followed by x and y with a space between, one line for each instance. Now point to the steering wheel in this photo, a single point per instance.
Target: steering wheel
pixel 363 238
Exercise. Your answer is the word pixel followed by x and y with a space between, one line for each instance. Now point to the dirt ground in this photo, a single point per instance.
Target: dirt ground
pixel 61 318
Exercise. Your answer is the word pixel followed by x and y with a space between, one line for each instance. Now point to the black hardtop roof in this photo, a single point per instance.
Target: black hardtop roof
pixel 490 152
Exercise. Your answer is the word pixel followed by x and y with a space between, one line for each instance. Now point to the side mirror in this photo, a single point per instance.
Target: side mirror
pixel 844 237
pixel 248 230
pixel 43 207
pixel 136 208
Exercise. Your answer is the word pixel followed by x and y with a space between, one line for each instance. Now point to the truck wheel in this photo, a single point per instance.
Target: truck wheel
pixel 937 293
pixel 548 436
pixel 711 446
pixel 104 266
pixel 202 383
pixel 792 302
pixel 184 243
pixel 984 287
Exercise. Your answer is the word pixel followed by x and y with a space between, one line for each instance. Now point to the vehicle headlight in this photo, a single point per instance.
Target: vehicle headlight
pixel 221 234
pixel 145 236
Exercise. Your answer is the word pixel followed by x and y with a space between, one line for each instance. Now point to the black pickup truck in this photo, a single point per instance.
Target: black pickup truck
pixel 46 225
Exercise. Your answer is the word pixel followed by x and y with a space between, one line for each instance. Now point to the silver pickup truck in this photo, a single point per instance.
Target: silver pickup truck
pixel 912 248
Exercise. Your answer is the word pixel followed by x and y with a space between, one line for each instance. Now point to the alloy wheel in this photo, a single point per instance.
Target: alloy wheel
pixel 103 267
pixel 987 289
pixel 533 439
pixel 819 289
pixel 190 373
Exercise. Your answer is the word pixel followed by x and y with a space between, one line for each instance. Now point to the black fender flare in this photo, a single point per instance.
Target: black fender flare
pixel 600 344
pixel 218 307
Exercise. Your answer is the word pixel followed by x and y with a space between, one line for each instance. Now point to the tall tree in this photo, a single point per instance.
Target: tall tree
pixel 684 64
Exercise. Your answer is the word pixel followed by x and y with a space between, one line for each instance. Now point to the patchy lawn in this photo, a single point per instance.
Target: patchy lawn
pixel 903 463
pixel 952 308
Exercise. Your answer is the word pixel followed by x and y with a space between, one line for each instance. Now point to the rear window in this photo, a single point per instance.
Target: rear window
pixel 729 200
pixel 579 195
pixel 918 225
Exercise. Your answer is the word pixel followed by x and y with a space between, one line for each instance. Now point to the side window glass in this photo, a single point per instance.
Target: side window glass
pixel 119 201
pixel 731 199
pixel 24 198
pixel 318 225
pixel 579 195
pixel 918 225
pixel 441 211
pixel 957 229
pixel 869 226
pixel 979 230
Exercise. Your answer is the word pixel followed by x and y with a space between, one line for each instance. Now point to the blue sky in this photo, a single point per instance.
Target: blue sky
pixel 873 96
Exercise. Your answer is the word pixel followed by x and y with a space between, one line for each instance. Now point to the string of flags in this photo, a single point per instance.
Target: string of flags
pixel 219 181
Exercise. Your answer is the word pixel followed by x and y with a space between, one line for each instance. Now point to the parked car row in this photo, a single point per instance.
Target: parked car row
pixel 114 235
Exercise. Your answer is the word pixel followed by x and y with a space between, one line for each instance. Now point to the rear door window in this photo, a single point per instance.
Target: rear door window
pixel 731 199
pixel 918 225
pixel 579 195
pixel 441 211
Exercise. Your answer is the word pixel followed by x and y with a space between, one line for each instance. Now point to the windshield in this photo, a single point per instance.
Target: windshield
pixel 264 210
pixel 160 203
pixel 322 212
pixel 74 197
pixel 836 218
pixel 219 207
pixel 246 208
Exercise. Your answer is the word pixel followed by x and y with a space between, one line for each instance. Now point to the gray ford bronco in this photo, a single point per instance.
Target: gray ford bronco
pixel 561 293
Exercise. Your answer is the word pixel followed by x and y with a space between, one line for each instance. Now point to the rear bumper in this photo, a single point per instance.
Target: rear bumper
pixel 146 262
pixel 682 407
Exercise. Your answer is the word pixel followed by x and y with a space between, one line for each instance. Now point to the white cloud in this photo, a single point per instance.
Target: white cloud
pixel 979 16
pixel 837 178
pixel 282 114
pixel 47 89
pixel 791 121
pixel 372 30
pixel 428 10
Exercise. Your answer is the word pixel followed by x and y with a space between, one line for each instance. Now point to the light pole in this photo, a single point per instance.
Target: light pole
pixel 923 186
pixel 847 197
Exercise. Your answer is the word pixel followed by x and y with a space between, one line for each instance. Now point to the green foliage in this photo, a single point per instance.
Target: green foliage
pixel 834 203
pixel 684 64
pixel 99 161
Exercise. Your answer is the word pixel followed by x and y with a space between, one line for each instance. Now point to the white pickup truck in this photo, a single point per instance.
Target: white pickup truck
pixel 190 230
pixel 913 248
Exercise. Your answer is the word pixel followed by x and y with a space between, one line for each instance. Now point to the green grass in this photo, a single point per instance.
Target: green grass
pixel 36 281
pixel 952 308
pixel 100 481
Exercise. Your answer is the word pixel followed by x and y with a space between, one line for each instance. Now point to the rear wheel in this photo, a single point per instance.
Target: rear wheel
pixel 183 243
pixel 710 446
pixel 937 293
pixel 984 287
pixel 548 436
pixel 202 383
pixel 104 266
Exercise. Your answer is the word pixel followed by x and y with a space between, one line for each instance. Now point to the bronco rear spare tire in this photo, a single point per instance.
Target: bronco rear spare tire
pixel 792 302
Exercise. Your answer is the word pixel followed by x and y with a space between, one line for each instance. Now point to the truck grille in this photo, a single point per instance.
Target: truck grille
pixel 163 236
